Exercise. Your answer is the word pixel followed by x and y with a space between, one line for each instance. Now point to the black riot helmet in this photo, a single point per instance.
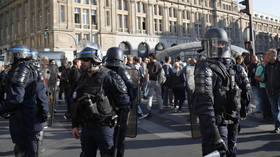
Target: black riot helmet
pixel 91 52
pixel 18 52
pixel 114 57
pixel 216 43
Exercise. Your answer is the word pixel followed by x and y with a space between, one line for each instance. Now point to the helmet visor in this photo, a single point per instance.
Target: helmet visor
pixel 217 49
pixel 17 53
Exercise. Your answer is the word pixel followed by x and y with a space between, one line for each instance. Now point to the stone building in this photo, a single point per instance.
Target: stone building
pixel 137 26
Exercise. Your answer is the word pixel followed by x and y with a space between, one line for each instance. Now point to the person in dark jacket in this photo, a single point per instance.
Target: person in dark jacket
pixel 74 76
pixel 26 102
pixel 271 79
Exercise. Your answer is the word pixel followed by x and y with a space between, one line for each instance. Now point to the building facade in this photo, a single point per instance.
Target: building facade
pixel 137 26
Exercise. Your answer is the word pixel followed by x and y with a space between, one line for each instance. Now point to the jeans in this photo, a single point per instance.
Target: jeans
pixel 256 96
pixel 266 107
pixel 274 100
pixel 154 89
pixel 167 96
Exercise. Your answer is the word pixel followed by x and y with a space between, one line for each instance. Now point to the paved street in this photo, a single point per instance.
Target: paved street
pixel 161 135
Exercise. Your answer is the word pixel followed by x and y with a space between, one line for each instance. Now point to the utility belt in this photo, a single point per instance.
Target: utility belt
pixel 110 121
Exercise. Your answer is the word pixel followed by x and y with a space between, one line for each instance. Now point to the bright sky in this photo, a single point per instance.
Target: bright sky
pixel 270 7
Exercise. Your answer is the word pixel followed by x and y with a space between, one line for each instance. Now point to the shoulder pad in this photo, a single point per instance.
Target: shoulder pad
pixel 124 74
pixel 203 79
pixel 21 75
pixel 118 82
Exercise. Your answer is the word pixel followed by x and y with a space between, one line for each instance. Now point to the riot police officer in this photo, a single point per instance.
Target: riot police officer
pixel 26 102
pixel 114 61
pixel 99 94
pixel 217 95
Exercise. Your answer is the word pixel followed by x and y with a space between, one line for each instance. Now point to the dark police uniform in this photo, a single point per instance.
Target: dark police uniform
pixel 27 103
pixel 114 61
pixel 98 129
pixel 98 134
pixel 217 97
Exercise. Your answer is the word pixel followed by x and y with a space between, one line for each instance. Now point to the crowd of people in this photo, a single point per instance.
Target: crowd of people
pixel 99 93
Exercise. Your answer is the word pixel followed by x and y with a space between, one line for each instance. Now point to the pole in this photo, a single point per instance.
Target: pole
pixel 251 37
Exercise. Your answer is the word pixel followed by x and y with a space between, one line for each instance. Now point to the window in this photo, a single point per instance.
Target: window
pixel 125 46
pixel 188 15
pixel 77 15
pixel 107 3
pixel 62 13
pixel 155 25
pixel 86 37
pixel 138 7
pixel 78 1
pixel 107 18
pixel 94 38
pixel 78 37
pixel 93 17
pixel 93 2
pixel 175 27
pixel 188 27
pixel 160 25
pixel 124 5
pixel 144 23
pixel 119 21
pixel 138 21
pixel 160 11
pixel 86 1
pixel 85 16
pixel 119 6
pixel 170 26
pixel 170 12
pixel 174 13
pixel 125 21
pixel 143 8
pixel 155 10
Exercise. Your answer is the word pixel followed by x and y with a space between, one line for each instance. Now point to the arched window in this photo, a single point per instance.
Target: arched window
pixel 125 46
pixel 159 47
pixel 143 49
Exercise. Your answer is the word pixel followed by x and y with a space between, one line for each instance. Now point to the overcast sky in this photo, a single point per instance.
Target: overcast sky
pixel 271 7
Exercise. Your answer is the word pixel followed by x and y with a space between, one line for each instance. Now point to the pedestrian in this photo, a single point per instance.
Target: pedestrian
pixel 115 62
pixel 140 69
pixel 154 70
pixel 272 84
pixel 252 68
pixel 100 92
pixel 264 102
pixel 74 76
pixel 145 79
pixel 217 98
pixel 26 102
pixel 167 94
pixel 177 85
